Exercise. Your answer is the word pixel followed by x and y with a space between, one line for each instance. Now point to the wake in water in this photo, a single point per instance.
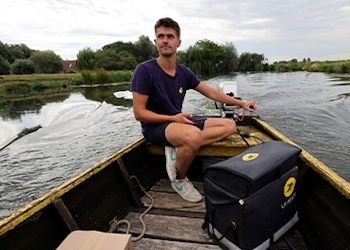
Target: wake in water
pixel 75 135
pixel 309 108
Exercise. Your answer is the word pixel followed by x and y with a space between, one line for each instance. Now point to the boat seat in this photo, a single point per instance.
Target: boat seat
pixel 94 240
pixel 231 145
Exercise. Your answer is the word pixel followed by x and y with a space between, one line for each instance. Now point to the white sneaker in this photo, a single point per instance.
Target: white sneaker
pixel 186 190
pixel 170 155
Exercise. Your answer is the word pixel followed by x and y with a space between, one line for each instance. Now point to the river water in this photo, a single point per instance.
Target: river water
pixel 76 130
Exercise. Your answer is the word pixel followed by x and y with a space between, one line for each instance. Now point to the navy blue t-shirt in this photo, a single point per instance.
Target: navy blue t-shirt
pixel 166 93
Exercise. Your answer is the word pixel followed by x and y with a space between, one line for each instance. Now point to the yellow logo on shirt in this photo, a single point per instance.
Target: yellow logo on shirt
pixel 181 90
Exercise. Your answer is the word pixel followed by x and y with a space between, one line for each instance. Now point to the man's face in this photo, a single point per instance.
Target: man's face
pixel 166 41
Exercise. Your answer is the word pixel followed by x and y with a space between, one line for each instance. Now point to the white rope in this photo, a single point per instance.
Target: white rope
pixel 114 223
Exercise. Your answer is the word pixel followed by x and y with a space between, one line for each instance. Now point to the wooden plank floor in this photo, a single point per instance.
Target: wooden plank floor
pixel 173 223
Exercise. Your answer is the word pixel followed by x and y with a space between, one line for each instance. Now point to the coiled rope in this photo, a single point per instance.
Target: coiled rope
pixel 114 223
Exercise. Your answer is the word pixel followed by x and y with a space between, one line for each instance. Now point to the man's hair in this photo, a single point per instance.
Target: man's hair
pixel 169 23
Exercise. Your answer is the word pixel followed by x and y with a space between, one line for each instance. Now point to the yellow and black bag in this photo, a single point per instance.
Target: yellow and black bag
pixel 251 198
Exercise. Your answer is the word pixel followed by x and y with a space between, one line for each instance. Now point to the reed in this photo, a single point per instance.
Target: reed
pixel 89 77
pixel 22 89
pixel 103 76
pixel 122 76
pixel 40 77
pixel 340 67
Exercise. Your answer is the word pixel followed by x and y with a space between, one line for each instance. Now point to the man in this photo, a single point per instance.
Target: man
pixel 159 87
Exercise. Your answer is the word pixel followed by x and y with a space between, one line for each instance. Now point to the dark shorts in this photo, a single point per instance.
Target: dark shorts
pixel 156 133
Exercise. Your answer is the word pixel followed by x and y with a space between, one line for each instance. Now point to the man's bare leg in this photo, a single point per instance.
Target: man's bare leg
pixel 189 139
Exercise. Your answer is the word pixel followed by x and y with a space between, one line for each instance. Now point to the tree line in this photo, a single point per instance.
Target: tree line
pixel 20 59
pixel 205 58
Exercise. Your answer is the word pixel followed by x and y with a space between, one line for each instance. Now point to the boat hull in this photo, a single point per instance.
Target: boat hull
pixel 90 200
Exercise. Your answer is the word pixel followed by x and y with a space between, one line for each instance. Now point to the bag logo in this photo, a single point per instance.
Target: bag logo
pixel 250 156
pixel 289 187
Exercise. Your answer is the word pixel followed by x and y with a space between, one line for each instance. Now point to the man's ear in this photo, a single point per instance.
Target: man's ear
pixel 179 43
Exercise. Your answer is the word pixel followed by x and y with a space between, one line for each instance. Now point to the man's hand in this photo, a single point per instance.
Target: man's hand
pixel 183 118
pixel 250 106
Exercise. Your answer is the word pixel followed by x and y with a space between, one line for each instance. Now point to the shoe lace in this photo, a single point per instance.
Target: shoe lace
pixel 188 186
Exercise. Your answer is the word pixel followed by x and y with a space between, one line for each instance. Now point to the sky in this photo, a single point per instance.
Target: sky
pixel 280 30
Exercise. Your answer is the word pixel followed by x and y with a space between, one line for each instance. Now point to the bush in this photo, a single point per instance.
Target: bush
pixel 121 76
pixel 89 77
pixel 86 59
pixel 2 90
pixel 103 76
pixel 283 68
pixel 314 67
pixel 344 68
pixel 46 62
pixel 296 67
pixel 22 67
pixel 77 80
pixel 40 87
pixel 331 69
pixel 4 66
pixel 19 88
pixel 272 67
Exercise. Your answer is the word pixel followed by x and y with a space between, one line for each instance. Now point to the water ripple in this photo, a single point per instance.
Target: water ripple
pixel 309 108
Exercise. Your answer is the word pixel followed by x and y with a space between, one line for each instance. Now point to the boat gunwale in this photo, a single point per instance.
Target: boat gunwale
pixel 322 169
pixel 30 209
pixel 23 213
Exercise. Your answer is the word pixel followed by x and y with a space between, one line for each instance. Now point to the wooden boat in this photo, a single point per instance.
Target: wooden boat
pixel 104 191
pixel 92 199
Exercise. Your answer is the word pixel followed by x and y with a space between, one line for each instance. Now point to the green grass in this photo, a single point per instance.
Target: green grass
pixel 12 86
pixel 102 76
pixel 40 78
pixel 341 67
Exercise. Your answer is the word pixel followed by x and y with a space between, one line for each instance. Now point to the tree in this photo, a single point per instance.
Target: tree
pixel 181 57
pixel 20 51
pixel 211 50
pixel 46 62
pixel 4 66
pixel 230 62
pixel 108 59
pixel 194 59
pixel 86 59
pixel 205 58
pixel 127 60
pixel 145 49
pixel 6 53
pixel 121 46
pixel 250 62
pixel 22 66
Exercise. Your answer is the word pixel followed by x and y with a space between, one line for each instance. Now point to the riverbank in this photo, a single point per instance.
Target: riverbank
pixel 19 86
pixel 338 67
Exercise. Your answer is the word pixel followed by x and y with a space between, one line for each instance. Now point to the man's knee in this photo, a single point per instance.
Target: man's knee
pixel 230 126
pixel 193 139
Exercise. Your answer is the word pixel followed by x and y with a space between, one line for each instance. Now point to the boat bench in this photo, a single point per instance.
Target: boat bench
pixel 231 145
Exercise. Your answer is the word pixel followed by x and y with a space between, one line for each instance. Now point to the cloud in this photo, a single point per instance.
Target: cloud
pixel 280 30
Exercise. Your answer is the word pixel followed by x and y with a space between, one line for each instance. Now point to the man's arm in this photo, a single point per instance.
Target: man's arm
pixel 218 96
pixel 141 113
